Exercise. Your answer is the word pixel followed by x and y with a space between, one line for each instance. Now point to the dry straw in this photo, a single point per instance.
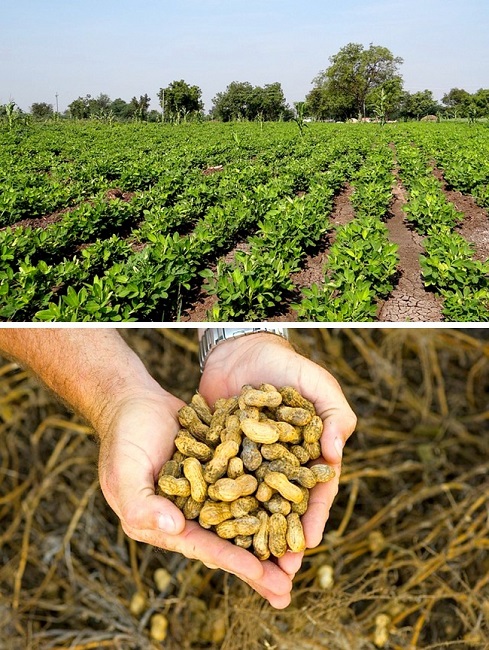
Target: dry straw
pixel 404 562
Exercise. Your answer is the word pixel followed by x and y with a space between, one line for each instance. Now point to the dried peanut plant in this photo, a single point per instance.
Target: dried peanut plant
pixel 404 560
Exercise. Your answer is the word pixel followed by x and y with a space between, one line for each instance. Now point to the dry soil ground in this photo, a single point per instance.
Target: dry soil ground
pixel 407 544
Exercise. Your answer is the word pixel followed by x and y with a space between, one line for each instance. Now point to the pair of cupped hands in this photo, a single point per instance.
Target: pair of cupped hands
pixel 138 439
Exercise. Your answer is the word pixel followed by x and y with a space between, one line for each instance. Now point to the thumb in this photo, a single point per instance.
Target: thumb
pixel 152 512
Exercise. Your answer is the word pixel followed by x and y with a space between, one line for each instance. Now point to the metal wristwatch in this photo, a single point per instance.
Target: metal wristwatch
pixel 212 336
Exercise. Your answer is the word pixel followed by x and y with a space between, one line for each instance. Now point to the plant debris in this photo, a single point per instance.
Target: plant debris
pixel 404 561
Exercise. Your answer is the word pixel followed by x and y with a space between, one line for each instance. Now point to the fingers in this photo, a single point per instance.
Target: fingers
pixel 266 578
pixel 290 563
pixel 315 518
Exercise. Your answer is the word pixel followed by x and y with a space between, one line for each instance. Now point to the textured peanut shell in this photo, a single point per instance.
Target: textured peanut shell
pixel 295 533
pixel 297 416
pixel 189 420
pixel 244 506
pixel 260 538
pixel 301 507
pixel 260 432
pixel 264 492
pixel 247 525
pixel 214 513
pixel 289 433
pixel 189 446
pixel 313 431
pixel 277 450
pixel 277 503
pixel 217 466
pixel 243 541
pixel 228 489
pixel 313 449
pixel 235 467
pixel 261 398
pixel 179 487
pixel 192 508
pixel 277 530
pixel 250 455
pixel 201 407
pixel 292 397
pixel 195 475
pixel 323 473
pixel 281 483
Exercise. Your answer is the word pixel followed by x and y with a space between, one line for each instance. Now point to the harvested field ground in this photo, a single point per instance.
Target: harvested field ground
pixel 407 541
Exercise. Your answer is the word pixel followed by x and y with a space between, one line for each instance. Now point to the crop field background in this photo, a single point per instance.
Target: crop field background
pixel 404 562
pixel 244 221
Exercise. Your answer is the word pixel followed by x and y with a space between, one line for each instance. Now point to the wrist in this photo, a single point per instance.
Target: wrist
pixel 212 337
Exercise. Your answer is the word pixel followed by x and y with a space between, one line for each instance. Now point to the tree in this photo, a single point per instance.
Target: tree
pixel 480 101
pixel 385 100
pixel 139 107
pixel 419 104
pixel 235 103
pixel 121 109
pixel 268 103
pixel 242 101
pixel 79 109
pixel 179 101
pixel 42 110
pixel 341 91
pixel 456 101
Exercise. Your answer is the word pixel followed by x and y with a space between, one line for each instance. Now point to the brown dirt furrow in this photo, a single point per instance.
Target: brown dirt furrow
pixel 53 217
pixel 313 268
pixel 475 225
pixel 312 271
pixel 197 311
pixel 409 301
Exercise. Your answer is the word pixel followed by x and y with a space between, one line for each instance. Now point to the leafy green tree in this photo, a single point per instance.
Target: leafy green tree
pixel 456 101
pixel 269 103
pixel 139 108
pixel 179 101
pixel 242 101
pixel 79 109
pixel 480 100
pixel 385 100
pixel 121 109
pixel 341 91
pixel 419 104
pixel 42 110
pixel 99 105
pixel 235 103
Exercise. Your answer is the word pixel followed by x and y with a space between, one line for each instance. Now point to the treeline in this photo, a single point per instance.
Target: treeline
pixel 359 83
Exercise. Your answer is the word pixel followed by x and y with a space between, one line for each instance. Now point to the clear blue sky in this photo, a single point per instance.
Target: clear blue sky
pixel 130 47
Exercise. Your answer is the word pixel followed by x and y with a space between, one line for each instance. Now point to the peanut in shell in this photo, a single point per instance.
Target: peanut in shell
pixel 277 535
pixel 229 529
pixel 295 533
pixel 260 432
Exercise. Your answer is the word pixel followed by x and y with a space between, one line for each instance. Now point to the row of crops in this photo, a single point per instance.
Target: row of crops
pixel 138 216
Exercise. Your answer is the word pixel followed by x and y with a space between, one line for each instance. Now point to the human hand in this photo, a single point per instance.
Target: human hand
pixel 268 358
pixel 138 440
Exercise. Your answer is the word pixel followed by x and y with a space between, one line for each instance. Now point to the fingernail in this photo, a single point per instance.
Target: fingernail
pixel 338 445
pixel 166 523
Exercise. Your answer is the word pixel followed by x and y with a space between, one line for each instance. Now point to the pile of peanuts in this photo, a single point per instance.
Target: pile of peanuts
pixel 241 469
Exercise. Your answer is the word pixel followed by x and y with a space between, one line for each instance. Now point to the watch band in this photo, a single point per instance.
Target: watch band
pixel 212 336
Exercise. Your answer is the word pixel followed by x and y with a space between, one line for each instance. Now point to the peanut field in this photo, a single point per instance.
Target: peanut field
pixel 244 222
